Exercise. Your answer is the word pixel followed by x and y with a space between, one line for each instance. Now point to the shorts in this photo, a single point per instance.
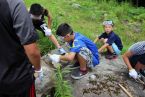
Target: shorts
pixel 116 49
pixel 137 58
pixel 87 55
pixel 28 93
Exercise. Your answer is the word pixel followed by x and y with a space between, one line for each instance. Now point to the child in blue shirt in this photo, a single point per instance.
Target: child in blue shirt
pixel 81 48
pixel 112 41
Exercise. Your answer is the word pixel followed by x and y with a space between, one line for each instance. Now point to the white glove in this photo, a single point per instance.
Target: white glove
pixel 133 73
pixel 62 51
pixel 38 74
pixel 55 58
pixel 46 30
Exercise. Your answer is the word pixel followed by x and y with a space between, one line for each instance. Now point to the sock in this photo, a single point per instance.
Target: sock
pixel 114 53
pixel 84 71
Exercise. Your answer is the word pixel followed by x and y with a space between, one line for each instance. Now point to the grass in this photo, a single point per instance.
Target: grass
pixel 63 89
pixel 88 17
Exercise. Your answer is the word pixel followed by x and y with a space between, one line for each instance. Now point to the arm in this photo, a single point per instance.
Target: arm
pixel 47 13
pixel 103 47
pixel 96 39
pixel 126 57
pixel 49 20
pixel 33 54
pixel 68 57
pixel 54 40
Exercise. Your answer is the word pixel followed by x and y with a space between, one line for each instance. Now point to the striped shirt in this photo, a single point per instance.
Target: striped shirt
pixel 138 48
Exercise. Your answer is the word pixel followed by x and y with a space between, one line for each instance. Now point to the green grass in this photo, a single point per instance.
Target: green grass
pixel 88 18
pixel 63 89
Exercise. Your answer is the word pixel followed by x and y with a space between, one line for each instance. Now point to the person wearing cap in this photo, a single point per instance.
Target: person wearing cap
pixel 37 14
pixel 111 41
pixel 134 58
pixel 82 49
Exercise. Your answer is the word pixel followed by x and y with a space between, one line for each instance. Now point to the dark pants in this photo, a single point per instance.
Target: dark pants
pixel 28 93
pixel 137 58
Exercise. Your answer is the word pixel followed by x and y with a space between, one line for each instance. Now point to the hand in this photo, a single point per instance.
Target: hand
pixel 46 30
pixel 62 51
pixel 55 58
pixel 38 74
pixel 133 73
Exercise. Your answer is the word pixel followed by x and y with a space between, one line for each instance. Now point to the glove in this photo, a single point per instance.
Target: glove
pixel 54 58
pixel 46 30
pixel 38 74
pixel 133 73
pixel 62 51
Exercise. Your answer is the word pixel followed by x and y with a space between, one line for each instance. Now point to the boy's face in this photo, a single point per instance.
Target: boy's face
pixel 66 38
pixel 108 28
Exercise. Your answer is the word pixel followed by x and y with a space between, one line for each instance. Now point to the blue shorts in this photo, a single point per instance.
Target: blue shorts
pixel 116 49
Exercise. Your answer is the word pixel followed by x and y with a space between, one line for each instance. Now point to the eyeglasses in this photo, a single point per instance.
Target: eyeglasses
pixel 61 37
pixel 108 22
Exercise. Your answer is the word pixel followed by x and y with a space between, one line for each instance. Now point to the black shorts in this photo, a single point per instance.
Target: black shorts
pixel 137 58
pixel 28 93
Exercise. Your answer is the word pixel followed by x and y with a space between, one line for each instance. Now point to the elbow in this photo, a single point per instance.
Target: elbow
pixel 35 53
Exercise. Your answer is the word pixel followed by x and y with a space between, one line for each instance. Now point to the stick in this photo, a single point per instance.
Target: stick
pixel 129 95
pixel 141 81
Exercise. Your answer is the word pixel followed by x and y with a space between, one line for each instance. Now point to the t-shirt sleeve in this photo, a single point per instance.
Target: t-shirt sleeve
pixel 77 45
pixel 22 23
pixel 102 36
pixel 138 48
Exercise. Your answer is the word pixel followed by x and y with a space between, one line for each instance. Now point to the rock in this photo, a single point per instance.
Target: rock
pixel 47 81
pixel 76 6
pixel 108 74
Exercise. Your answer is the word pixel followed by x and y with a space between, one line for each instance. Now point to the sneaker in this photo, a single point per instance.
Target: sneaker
pixel 111 56
pixel 78 74
pixel 75 66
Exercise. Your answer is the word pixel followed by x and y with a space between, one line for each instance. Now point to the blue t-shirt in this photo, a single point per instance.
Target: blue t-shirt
pixel 112 38
pixel 82 41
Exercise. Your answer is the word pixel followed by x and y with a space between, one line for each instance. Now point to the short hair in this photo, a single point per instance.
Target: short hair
pixel 64 29
pixel 36 9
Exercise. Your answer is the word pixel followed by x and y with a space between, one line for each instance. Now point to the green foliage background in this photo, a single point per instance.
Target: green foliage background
pixel 86 16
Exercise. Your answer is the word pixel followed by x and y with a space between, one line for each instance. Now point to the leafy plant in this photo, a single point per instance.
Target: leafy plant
pixel 62 89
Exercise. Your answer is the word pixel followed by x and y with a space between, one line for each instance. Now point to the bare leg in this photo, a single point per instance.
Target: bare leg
pixel 110 49
pixel 82 62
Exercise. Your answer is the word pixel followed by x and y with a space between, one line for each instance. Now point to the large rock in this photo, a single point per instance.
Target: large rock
pixel 108 74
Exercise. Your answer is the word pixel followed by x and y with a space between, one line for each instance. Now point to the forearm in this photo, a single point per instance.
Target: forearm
pixel 103 47
pixel 96 40
pixel 54 40
pixel 49 22
pixel 33 54
pixel 127 62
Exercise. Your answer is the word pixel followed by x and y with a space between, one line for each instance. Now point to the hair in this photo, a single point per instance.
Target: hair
pixel 36 9
pixel 64 29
